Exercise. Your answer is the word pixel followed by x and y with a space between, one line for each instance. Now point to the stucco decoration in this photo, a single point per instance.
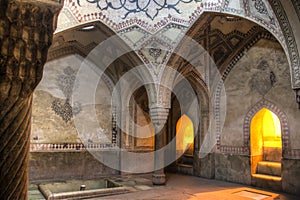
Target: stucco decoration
pixel 143 25
pixel 283 120
pixel 152 16
pixel 63 108
pixel 149 8
pixel 291 48
pixel 262 9
pixel 242 98
pixel 296 4
pixel 53 107
pixel 137 26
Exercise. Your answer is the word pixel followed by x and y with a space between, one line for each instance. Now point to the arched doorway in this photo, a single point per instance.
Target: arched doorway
pixel 266 145
pixel 185 145
pixel 184 136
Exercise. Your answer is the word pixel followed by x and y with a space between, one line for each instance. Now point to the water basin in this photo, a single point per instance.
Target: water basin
pixel 81 189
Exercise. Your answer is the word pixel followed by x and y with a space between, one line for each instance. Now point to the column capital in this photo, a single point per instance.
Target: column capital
pixel 159 115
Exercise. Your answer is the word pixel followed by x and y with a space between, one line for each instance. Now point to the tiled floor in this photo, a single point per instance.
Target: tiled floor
pixel 181 187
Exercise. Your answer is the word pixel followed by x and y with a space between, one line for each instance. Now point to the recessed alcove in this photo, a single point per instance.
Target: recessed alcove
pixel 266 148
pixel 184 136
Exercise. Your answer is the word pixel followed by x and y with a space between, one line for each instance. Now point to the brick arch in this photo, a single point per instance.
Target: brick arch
pixel 283 120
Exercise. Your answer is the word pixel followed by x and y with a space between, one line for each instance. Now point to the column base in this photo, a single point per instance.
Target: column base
pixel 159 179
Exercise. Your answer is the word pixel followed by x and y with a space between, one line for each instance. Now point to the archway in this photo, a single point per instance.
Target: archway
pixel 266 145
pixel 70 48
pixel 185 145
pixel 185 136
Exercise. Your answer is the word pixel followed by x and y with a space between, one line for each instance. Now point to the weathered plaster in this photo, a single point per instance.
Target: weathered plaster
pixel 247 84
pixel 49 127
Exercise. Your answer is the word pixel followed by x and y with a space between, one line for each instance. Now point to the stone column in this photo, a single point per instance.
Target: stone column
pixel 159 117
pixel 26 30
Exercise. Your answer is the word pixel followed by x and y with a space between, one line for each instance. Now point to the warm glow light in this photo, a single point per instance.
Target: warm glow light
pixel 277 125
pixel 265 130
pixel 185 134
pixel 266 144
pixel 271 130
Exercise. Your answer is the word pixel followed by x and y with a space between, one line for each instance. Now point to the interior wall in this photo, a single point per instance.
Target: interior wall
pixel 262 73
pixel 58 166
pixel 51 122
pixel 139 124
pixel 143 128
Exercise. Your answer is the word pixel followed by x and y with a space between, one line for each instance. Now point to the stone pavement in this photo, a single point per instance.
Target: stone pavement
pixel 182 187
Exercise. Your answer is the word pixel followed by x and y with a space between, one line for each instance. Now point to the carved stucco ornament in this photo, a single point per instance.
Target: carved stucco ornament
pixel 149 7
pixel 261 7
pixel 63 108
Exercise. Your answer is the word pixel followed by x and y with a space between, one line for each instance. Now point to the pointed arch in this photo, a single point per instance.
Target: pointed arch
pixel 185 134
pixel 283 120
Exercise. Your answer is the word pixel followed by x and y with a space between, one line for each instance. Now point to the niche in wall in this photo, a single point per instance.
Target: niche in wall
pixel 265 137
pixel 184 135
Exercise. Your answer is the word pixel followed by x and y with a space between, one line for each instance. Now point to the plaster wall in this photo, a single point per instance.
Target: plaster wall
pixel 144 130
pixel 56 125
pixel 291 176
pixel 65 166
pixel 249 82
pixel 233 168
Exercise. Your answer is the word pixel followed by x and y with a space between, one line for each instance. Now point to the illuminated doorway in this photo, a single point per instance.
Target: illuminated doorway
pixel 184 136
pixel 266 144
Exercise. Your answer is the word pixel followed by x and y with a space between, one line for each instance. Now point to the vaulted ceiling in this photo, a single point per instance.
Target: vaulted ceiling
pixel 225 38
pixel 83 39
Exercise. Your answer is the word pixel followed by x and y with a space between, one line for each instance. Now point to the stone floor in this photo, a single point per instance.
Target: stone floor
pixel 181 187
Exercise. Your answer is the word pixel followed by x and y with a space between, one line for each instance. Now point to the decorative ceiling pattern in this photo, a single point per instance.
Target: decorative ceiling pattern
pixel 150 15
pixel 223 36
pixel 154 15
pixel 78 41
pixel 291 44
pixel 152 24
pixel 139 23
pixel 148 7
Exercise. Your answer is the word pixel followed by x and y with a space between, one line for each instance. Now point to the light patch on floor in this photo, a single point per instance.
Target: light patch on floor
pixel 252 195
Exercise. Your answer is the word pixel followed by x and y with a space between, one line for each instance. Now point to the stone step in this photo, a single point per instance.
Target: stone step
pixel 267 181
pixel 185 169
pixel 269 168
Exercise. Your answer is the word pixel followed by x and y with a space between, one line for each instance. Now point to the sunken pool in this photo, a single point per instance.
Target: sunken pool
pixel 78 189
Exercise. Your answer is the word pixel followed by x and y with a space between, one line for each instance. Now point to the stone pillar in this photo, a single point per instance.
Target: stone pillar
pixel 26 30
pixel 159 117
